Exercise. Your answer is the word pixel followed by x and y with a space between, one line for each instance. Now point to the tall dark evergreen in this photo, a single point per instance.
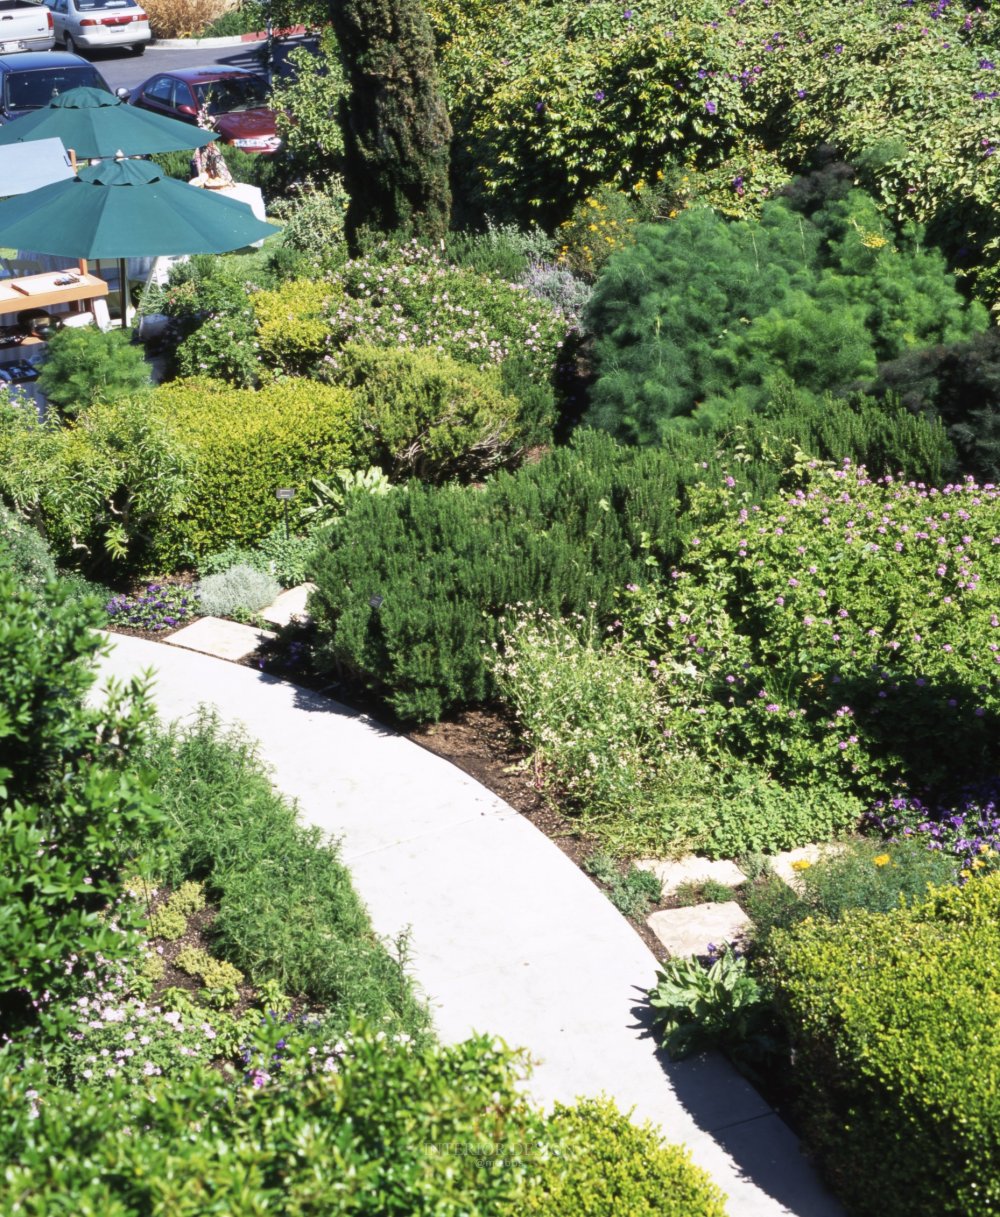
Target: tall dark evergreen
pixel 396 130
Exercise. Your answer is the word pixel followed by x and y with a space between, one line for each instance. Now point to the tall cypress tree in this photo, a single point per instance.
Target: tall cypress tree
pixel 396 128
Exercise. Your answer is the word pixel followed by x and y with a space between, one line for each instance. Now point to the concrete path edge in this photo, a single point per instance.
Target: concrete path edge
pixel 507 936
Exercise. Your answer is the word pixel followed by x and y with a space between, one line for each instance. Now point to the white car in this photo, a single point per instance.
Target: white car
pixel 98 25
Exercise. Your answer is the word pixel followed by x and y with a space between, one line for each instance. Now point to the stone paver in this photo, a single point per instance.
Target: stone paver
pixel 219 638
pixel 506 935
pixel 290 604
pixel 675 872
pixel 784 867
pixel 688 931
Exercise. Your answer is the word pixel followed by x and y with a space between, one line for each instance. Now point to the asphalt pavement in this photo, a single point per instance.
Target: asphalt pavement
pixel 122 70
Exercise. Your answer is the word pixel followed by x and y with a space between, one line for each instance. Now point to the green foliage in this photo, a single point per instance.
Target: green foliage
pixel 189 898
pixel 837 637
pixel 157 607
pixel 288 559
pixel 594 711
pixel 602 1165
pixel 287 910
pixel 599 226
pixel 98 487
pixel 892 1018
pixel 242 446
pixel 220 979
pixel 331 499
pixel 421 414
pixel 549 102
pixel 168 923
pixel 351 1141
pixel 87 365
pixel 396 129
pixel 221 348
pixel 238 591
pixel 501 251
pixel 408 295
pixel 811 302
pixel 291 329
pixel 958 383
pixel 868 875
pixel 721 1006
pixel 308 105
pixel 447 562
pixel 25 550
pixel 72 800
pixel 313 222
pixel 632 891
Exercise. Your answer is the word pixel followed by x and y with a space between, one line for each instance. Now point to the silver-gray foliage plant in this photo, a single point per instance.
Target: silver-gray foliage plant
pixel 237 591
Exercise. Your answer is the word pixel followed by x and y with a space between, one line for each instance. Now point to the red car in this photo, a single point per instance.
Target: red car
pixel 236 100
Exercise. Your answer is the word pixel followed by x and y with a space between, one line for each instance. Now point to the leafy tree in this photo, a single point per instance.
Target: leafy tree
pixel 84 366
pixel 308 105
pixel 69 805
pixel 397 133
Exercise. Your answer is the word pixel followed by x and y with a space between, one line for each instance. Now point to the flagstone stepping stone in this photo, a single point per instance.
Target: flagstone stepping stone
pixel 223 639
pixel 790 864
pixel 688 931
pixel 291 604
pixel 675 872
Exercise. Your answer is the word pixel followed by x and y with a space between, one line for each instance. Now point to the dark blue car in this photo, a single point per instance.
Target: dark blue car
pixel 29 81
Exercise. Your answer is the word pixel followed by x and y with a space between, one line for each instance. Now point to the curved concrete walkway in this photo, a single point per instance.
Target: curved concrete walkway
pixel 507 936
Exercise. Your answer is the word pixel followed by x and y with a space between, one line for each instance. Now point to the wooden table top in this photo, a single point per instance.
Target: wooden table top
pixel 39 291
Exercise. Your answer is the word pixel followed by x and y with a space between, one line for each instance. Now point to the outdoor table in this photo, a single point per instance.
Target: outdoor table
pixel 41 291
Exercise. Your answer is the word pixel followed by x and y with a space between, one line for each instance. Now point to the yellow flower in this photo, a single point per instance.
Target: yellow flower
pixel 978 864
pixel 592 228
pixel 881 860
pixel 801 864
pixel 965 874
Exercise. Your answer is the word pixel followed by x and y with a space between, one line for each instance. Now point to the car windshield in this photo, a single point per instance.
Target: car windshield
pixel 35 89
pixel 236 93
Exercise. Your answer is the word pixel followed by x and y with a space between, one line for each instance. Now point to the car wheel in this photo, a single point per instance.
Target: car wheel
pixel 72 47
pixel 139 49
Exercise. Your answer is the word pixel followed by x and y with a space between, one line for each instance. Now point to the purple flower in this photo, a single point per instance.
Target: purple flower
pixel 711 107
pixel 599 95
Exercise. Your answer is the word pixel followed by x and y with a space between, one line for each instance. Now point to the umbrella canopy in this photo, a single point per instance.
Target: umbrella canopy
pixel 95 123
pixel 126 209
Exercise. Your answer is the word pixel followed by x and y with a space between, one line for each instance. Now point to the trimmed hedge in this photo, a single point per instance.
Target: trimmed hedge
pixel 893 1018
pixel 605 1166
pixel 242 445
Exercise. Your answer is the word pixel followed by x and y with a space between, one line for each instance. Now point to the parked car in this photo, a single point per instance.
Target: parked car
pixel 235 99
pixel 97 25
pixel 29 82
pixel 24 26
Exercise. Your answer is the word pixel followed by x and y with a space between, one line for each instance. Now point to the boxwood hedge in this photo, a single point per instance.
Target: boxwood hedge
pixel 893 1018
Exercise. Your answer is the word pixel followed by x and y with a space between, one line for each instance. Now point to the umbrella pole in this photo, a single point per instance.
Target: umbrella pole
pixel 123 292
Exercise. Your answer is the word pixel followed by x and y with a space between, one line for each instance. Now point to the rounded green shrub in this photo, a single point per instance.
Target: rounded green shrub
pixel 238 590
pixel 892 1018
pixel 25 549
pixel 241 446
pixel 603 1165
pixel 292 330
pixel 421 414
pixel 87 365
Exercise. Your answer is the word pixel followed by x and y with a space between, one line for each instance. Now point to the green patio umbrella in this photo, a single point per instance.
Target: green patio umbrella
pixel 94 123
pixel 126 209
